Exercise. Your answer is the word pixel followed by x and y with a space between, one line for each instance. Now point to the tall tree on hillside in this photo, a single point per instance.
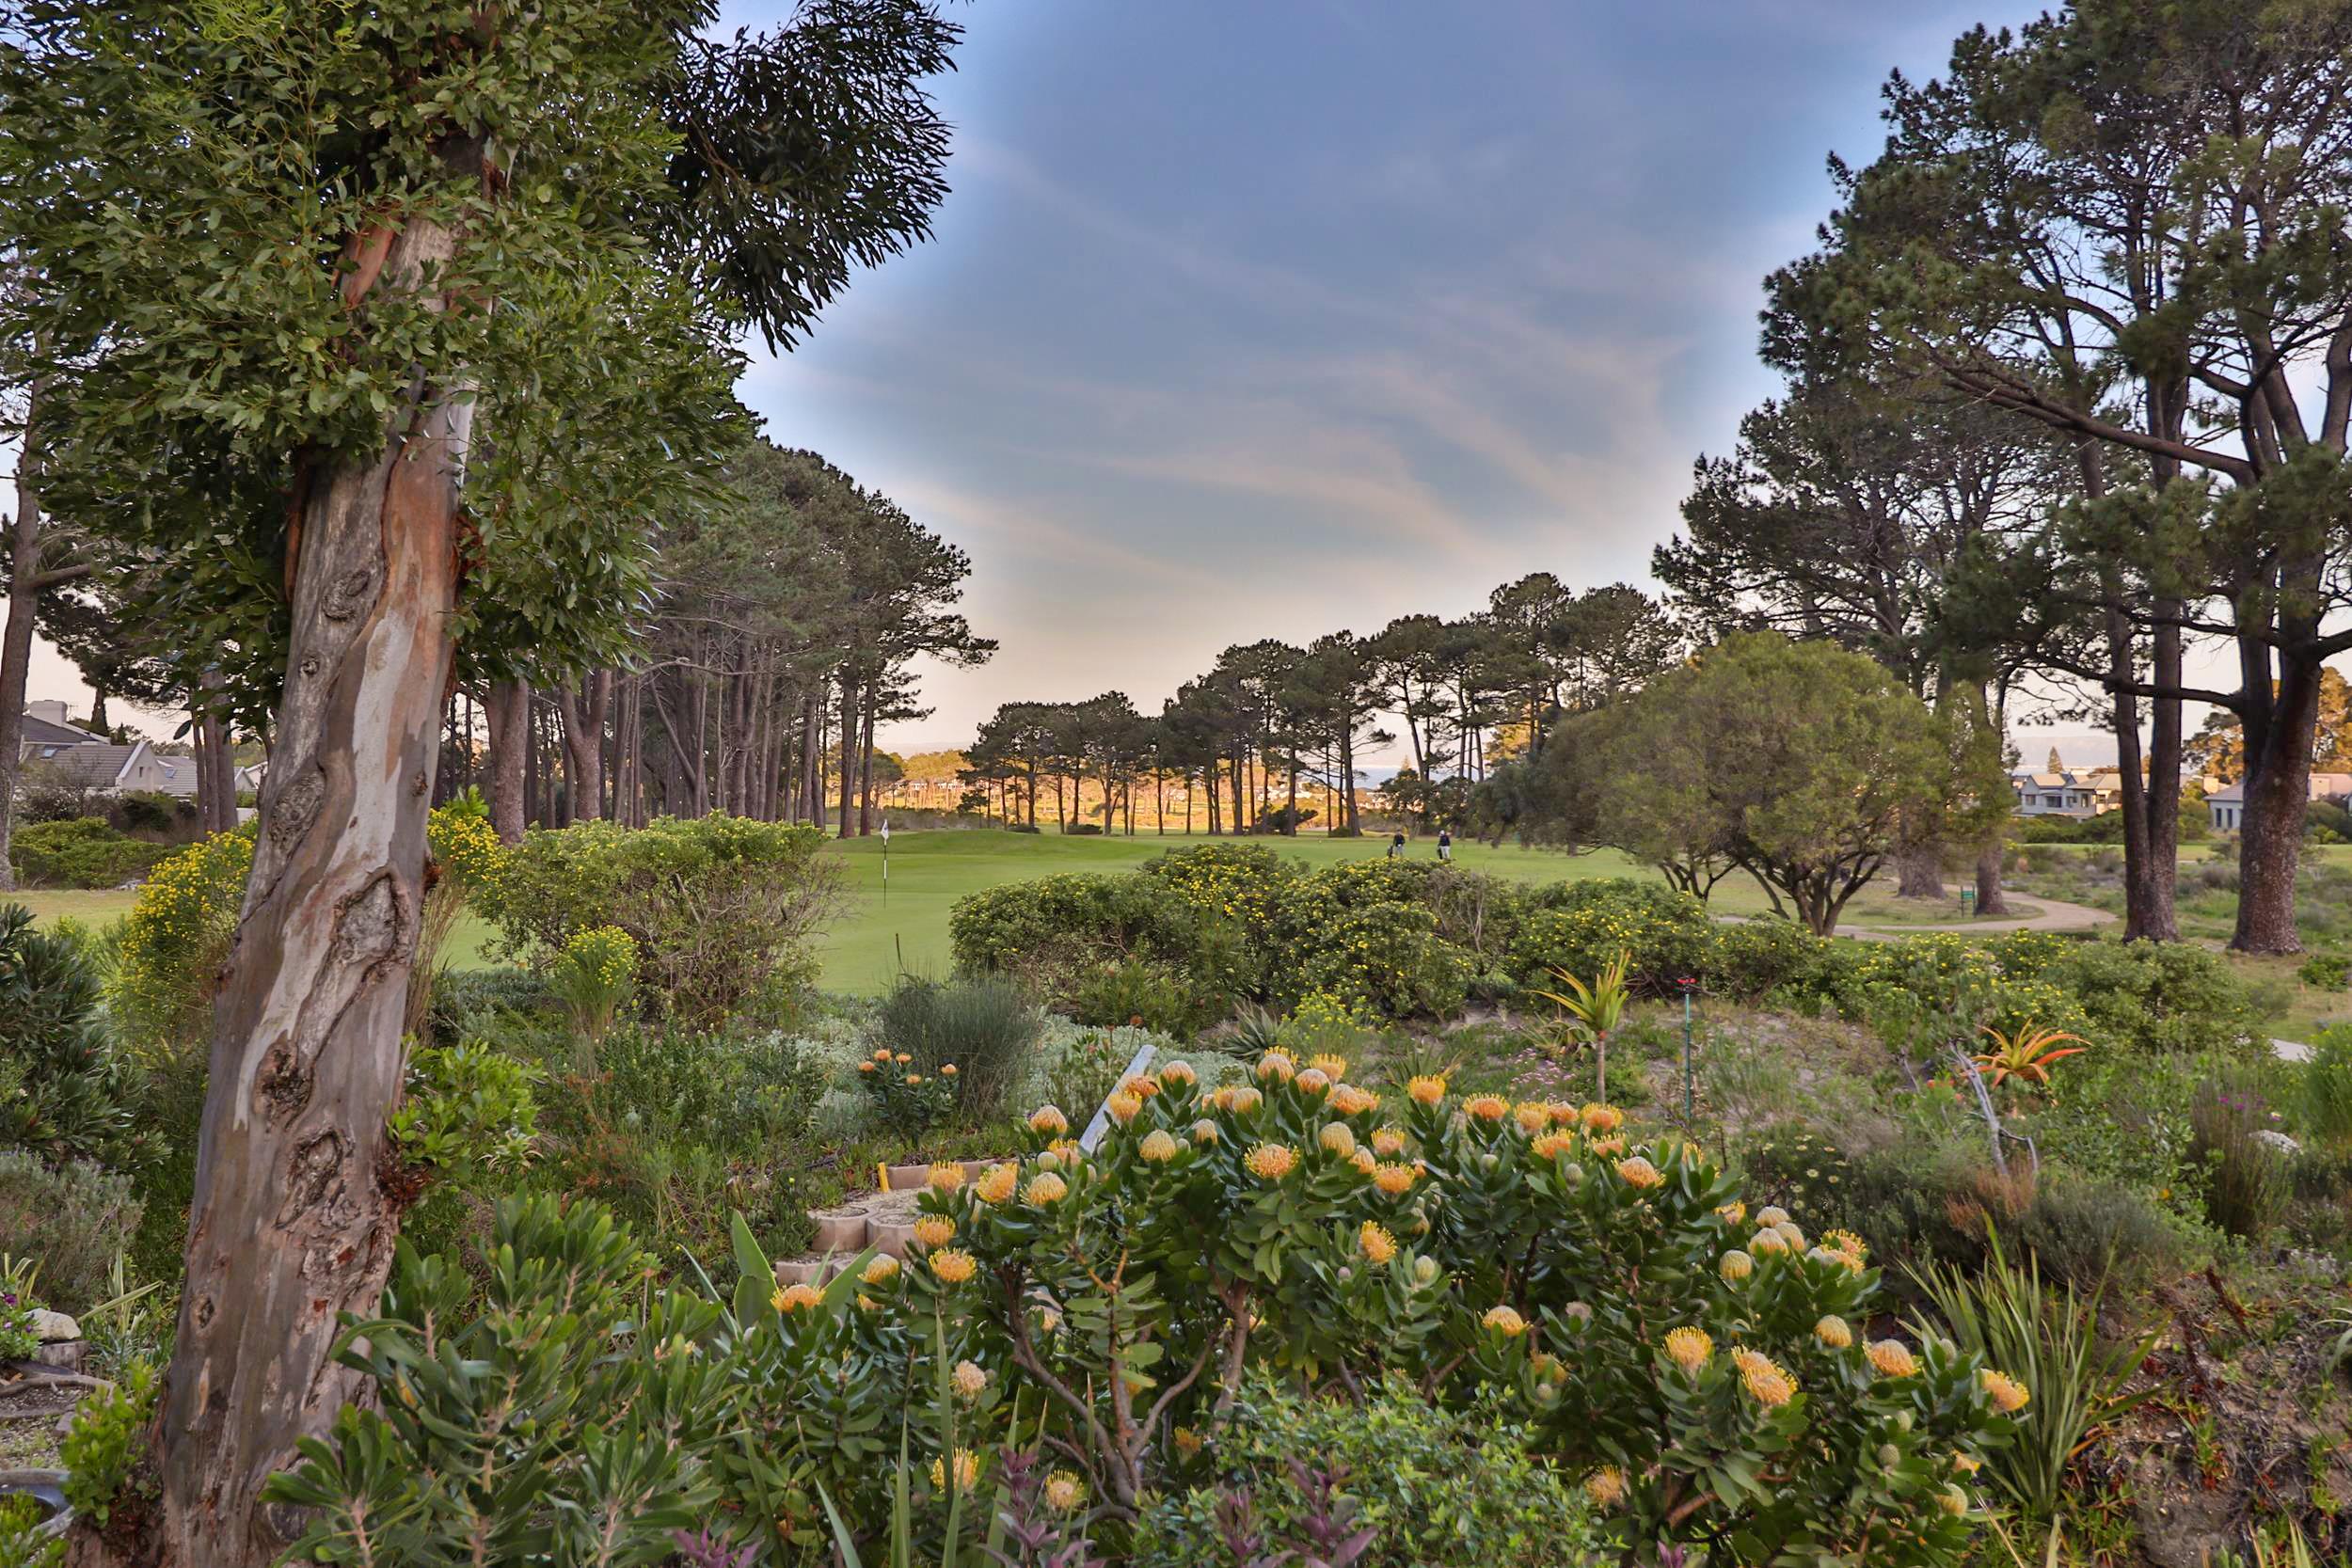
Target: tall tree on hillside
pixel 1333 695
pixel 477 203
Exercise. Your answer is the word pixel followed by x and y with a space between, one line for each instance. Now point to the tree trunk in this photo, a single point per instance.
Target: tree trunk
pixel 1918 868
pixel 1990 899
pixel 508 710
pixel 16 641
pixel 2277 795
pixel 866 765
pixel 582 712
pixel 288 1227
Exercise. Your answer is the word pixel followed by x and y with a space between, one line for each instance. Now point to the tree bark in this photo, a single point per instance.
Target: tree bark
pixel 16 641
pixel 288 1227
pixel 582 712
pixel 508 711
pixel 1919 870
pixel 2277 795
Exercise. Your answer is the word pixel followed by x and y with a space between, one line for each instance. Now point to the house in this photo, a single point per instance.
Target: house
pixel 2063 794
pixel 2226 805
pixel 46 733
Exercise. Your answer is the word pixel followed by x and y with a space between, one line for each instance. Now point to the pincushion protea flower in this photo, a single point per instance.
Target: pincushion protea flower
pixel 1389 1142
pixel 1892 1357
pixel 967 1471
pixel 1733 1212
pixel 1788 1231
pixel 1242 1100
pixel 1349 1101
pixel 1601 1118
pixel 1553 1144
pixel 1967 1463
pixel 1426 1090
pixel 1376 1243
pixel 1953 1501
pixel 953 1267
pixel 1770 1215
pixel 1332 1066
pixel 1044 1189
pixel 1271 1162
pixel 1363 1162
pixel 1204 1132
pixel 879 1270
pixel 970 1382
pixel 1188 1442
pixel 997 1184
pixel 1640 1174
pixel 796 1298
pixel 1142 1087
pixel 1688 1348
pixel 1424 1271
pixel 1178 1075
pixel 1486 1107
pixel 1276 1065
pixel 1851 1244
pixel 944 1176
pixel 1505 1321
pixel 1605 1486
pixel 1834 1332
pixel 1394 1179
pixel 1123 1107
pixel 1313 1081
pixel 932 1230
pixel 1735 1266
pixel 1336 1138
pixel 1064 1492
pixel 1765 1381
pixel 1048 1121
pixel 1532 1116
pixel 2009 1395
pixel 1158 1146
pixel 1768 1243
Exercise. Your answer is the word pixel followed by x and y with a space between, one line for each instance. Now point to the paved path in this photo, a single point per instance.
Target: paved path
pixel 2055 916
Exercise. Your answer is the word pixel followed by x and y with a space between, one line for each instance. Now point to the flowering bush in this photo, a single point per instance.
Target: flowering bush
pixel 907 1103
pixel 1585 925
pixel 593 976
pixel 176 939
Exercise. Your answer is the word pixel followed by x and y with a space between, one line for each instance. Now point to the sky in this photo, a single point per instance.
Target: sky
pixel 1266 318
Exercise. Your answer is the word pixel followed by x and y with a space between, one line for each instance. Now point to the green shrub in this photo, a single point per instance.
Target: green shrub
pixel 985 1027
pixel 1581 926
pixel 102 1449
pixel 1753 958
pixel 1439 1488
pixel 1386 956
pixel 2155 997
pixel 19 1336
pixel 593 976
pixel 1159 996
pixel 2326 971
pixel 175 941
pixel 466 1115
pixel 2103 1240
pixel 470 1002
pixel 22 1545
pixel 79 852
pixel 63 1092
pixel 2327 1088
pixel 151 811
pixel 723 910
pixel 2246 1181
pixel 1050 931
pixel 74 1217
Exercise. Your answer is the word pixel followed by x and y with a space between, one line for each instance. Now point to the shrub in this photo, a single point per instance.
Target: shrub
pixel 73 1217
pixel 2150 997
pixel 1052 931
pixel 2101 1240
pixel 2326 971
pixel 62 1092
pixel 2246 1181
pixel 467 1114
pixel 79 852
pixel 467 1001
pixel 102 1449
pixel 593 976
pixel 1159 996
pixel 984 1027
pixel 1581 926
pixel 1386 956
pixel 1755 958
pixel 1439 1488
pixel 908 1103
pixel 20 1337
pixel 2326 1088
pixel 723 910
pixel 151 811
pixel 176 939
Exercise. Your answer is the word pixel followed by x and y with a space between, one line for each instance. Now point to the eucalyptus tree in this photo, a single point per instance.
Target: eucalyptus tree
pixel 390 332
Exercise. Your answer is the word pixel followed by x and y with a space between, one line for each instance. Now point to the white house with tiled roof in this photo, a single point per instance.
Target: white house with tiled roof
pixel 2226 805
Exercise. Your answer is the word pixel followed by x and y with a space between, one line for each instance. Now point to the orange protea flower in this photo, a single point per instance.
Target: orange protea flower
pixel 1688 1348
pixel 1363 1162
pixel 1532 1116
pixel 1271 1162
pixel 1064 1492
pixel 865 1067
pixel 969 1379
pixel 1486 1107
pixel 2009 1395
pixel 946 1070
pixel 1851 1244
pixel 953 1267
pixel 1044 1189
pixel 1349 1101
pixel 902 1058
pixel 1389 1142
pixel 967 1471
pixel 1376 1243
pixel 913 1079
pixel 1553 1144
pixel 1735 1266
pixel 1276 1065
pixel 1605 1486
pixel 1124 1106
pixel 1426 1090
pixel 932 1230
pixel 944 1176
pixel 1834 1332
pixel 1767 1244
pixel 1771 1214
pixel 1313 1081
pixel 997 1184
pixel 1892 1357
pixel 1336 1137
pixel 1394 1179
pixel 1790 1232
pixel 1178 1075
pixel 1068 1153
pixel 1640 1174
pixel 1048 1121
pixel 1204 1132
pixel 796 1298
pixel 1242 1100
pixel 1504 1321
pixel 1609 1147
pixel 1765 1381
pixel 881 1054
pixel 1158 1146
pixel 1140 1086
pixel 1733 1212
pixel 879 1270
pixel 1600 1119
pixel 1332 1066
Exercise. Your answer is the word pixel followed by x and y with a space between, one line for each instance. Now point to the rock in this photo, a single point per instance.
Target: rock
pixel 2290 1050
pixel 2278 1141
pixel 54 1326
pixel 64 1355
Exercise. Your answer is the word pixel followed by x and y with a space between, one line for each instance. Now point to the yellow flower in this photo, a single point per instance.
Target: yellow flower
pixel 1892 1357
pixel 1389 1142
pixel 1953 1501
pixel 953 1267
pixel 1733 1212
pixel 1532 1116
pixel 970 1382
pixel 1337 1139
pixel 1188 1442
pixel 1967 1463
pixel 879 1270
pixel 1601 1118
pixel 1486 1107
pixel 1277 1065
pixel 1064 1492
pixel 1363 1162
pixel 932 1230
pixel 1314 1081
pixel 1204 1132
pixel 1845 1242
pixel 944 1176
pixel 1688 1348
pixel 1349 1101
pixel 1767 1244
pixel 1640 1174
pixel 1177 1074
pixel 1426 1090
pixel 1736 1266
pixel 1333 1068
pixel 1609 1147
pixel 796 1298
pixel 997 1184
pixel 1788 1231
pixel 1553 1144
pixel 2009 1395
pixel 1048 1121
pixel 1765 1381
pixel 1771 1215
pixel 1044 1189
pixel 1242 1100
pixel 1834 1332
pixel 1394 1179
pixel 967 1471
pixel 1140 1086
pixel 1374 1243
pixel 1605 1486
pixel 1158 1146
pixel 1271 1162
pixel 1124 1107
pixel 1505 1321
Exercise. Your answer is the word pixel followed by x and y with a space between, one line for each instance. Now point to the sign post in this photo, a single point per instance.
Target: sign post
pixel 885 838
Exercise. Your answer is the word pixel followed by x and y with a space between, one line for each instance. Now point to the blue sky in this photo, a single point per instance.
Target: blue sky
pixel 1266 319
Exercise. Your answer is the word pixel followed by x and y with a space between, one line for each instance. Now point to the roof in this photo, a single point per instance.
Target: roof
pixel 2047 780
pixel 2226 795
pixel 95 765
pixel 48 732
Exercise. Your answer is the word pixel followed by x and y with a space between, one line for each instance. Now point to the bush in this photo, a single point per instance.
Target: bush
pixel 151 811
pixel 1052 931
pixel 73 1217
pixel 1581 926
pixel 467 1002
pixel 2155 998
pixel 2327 1085
pixel 175 941
pixel 1386 956
pixel 2247 1184
pixel 79 852
pixel 1439 1488
pixel 723 910
pixel 1158 996
pixel 2326 971
pixel 985 1027
pixel 63 1094
pixel 1753 958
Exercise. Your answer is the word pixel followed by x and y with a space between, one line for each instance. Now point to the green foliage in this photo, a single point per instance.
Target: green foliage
pixel 2153 997
pixel 1439 1487
pixel 175 941
pixel 80 852
pixel 74 1217
pixel 468 1115
pixel 977 1031
pixel 593 976
pixel 1050 931
pixel 63 1093
pixel 102 1449
pixel 1582 926
pixel 1158 996
pixel 2244 1181
pixel 908 1103
pixel 722 910
pixel 21 1544
pixel 2326 971
pixel 18 1338
pixel 2328 1087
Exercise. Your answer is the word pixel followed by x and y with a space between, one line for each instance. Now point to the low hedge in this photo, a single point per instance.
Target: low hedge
pixel 80 852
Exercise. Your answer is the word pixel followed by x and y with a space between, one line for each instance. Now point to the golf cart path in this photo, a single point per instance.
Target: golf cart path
pixel 2055 916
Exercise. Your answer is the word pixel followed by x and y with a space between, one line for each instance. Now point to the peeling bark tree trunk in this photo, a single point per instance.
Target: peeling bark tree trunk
pixel 289 1225
pixel 16 644
pixel 509 714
